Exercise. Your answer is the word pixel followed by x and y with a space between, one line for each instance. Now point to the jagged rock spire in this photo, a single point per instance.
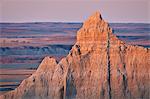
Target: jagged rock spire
pixel 94 19
pixel 83 72
pixel 93 27
pixel 93 32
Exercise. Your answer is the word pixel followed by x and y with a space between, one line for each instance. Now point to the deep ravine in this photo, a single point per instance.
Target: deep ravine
pixel 108 66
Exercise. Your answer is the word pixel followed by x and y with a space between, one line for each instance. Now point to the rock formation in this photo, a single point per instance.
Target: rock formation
pixel 99 66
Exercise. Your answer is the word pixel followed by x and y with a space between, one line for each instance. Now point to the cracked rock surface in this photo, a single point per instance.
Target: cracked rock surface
pixel 99 66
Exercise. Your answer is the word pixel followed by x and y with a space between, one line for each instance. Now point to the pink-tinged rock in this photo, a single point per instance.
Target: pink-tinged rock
pixel 99 66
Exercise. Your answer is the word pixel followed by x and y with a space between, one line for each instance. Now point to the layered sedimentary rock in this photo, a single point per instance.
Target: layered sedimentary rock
pixel 99 66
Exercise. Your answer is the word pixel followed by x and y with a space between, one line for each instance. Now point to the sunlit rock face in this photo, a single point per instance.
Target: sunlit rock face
pixel 99 66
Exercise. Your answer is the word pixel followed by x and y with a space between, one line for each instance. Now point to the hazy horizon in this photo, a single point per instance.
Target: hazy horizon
pixel 114 11
pixel 28 22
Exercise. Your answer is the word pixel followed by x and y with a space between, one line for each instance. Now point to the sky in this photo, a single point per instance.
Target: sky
pixel 124 11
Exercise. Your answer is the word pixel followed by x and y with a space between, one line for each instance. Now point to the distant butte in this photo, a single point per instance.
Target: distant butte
pixel 99 66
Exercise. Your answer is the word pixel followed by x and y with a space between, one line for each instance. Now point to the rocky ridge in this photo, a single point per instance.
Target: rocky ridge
pixel 99 66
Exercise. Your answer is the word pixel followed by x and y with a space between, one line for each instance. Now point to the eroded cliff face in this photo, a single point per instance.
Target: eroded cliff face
pixel 99 66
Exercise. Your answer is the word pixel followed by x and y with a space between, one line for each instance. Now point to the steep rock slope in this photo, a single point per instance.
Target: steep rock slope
pixel 99 66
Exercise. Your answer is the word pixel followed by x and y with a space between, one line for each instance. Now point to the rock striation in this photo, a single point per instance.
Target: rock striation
pixel 99 66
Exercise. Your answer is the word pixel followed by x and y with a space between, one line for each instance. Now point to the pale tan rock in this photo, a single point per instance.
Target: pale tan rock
pixel 84 72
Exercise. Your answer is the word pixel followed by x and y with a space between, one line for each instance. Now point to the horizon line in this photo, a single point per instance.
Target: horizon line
pixel 67 22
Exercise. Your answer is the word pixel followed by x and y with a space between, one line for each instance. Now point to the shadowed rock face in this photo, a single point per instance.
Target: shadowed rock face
pixel 99 66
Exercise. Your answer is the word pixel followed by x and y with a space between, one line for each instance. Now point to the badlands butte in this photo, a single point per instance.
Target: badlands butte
pixel 99 66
